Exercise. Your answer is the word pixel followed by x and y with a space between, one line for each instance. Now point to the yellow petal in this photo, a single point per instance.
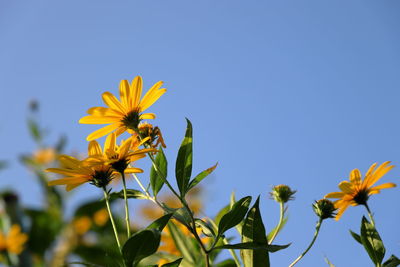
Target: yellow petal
pixel 383 186
pixel 346 187
pixel 68 180
pixel 334 195
pixel 69 187
pixel 120 130
pixel 111 101
pixel 109 144
pixel 136 91
pixel 102 131
pixel 133 170
pixel 67 172
pixel 148 116
pixel 378 173
pixel 355 176
pixel 98 120
pixel 102 111
pixel 123 152
pixel 342 209
pixel 94 149
pixel 124 93
pixel 136 157
pixel 69 162
pixel 152 96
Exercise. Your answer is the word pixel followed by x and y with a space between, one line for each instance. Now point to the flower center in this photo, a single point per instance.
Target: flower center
pixel 101 178
pixel 131 120
pixel 361 197
pixel 120 165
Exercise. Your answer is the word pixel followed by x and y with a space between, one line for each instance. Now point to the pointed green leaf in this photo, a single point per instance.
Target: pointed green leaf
pixel 253 245
pixel 141 245
pixel 130 193
pixel 201 176
pixel 356 237
pixel 156 180
pixel 254 231
pixel 393 261
pixel 183 168
pixel 234 216
pixel 221 213
pixel 161 222
pixel 206 228
pixel 173 264
pixel 372 241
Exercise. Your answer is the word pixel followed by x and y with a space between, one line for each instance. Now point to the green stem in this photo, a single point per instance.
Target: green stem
pixel 279 225
pixel 128 224
pixel 370 215
pixel 111 218
pixel 317 228
pixel 146 192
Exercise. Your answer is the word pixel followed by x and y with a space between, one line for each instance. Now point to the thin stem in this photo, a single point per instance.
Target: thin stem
pixel 128 224
pixel 370 215
pixel 149 197
pixel 279 225
pixel 111 218
pixel 317 228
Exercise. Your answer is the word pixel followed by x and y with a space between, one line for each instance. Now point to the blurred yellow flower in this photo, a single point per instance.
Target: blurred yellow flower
pixel 44 155
pixel 14 241
pixel 357 191
pixel 125 113
pixel 77 172
pixel 82 225
pixel 100 217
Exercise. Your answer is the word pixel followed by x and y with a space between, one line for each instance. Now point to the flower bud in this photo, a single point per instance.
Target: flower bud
pixel 324 209
pixel 282 193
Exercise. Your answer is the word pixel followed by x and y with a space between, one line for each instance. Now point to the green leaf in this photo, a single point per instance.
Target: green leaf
pixel 206 228
pixel 221 213
pixel 356 237
pixel 161 222
pixel 226 263
pixel 201 176
pixel 183 243
pixel 34 130
pixel 372 241
pixel 254 231
pixel 183 168
pixel 141 245
pixel 173 264
pixel 181 214
pixel 234 216
pixel 156 180
pixel 393 261
pixel 130 193
pixel 253 245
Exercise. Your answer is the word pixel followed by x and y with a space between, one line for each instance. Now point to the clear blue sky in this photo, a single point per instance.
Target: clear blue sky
pixel 295 92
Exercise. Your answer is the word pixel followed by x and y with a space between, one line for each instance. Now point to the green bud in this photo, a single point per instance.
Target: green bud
pixel 282 193
pixel 324 209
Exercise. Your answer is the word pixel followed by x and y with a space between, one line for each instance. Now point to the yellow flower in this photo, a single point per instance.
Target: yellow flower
pixel 357 191
pixel 118 157
pixel 152 133
pixel 77 172
pixel 44 155
pixel 100 217
pixel 82 225
pixel 125 113
pixel 14 241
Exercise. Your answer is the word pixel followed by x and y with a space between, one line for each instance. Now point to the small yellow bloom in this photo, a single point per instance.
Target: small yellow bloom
pixel 100 217
pixel 125 113
pixel 14 241
pixel 153 134
pixel 357 191
pixel 82 225
pixel 44 155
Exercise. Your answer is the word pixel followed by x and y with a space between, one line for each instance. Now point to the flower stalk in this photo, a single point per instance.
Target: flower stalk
pixel 106 197
pixel 279 225
pixel 128 224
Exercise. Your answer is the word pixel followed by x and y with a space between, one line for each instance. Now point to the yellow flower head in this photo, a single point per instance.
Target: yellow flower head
pixel 357 191
pixel 82 225
pixel 14 241
pixel 77 172
pixel 125 113
pixel 117 156
pixel 44 155
pixel 100 217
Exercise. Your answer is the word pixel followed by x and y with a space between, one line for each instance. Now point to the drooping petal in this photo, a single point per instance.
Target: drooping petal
pixel 342 208
pixel 346 187
pixel 102 131
pixel 68 180
pixel 136 91
pixel 133 170
pixel 124 93
pixel 334 195
pixel 94 149
pixel 120 130
pixel 148 116
pixel 69 187
pixel 136 157
pixel 99 120
pixel 111 101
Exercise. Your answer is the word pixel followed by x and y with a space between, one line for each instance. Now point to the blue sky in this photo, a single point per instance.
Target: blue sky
pixel 295 92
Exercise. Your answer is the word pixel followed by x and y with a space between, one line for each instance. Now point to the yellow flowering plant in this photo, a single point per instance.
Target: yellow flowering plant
pixel 176 231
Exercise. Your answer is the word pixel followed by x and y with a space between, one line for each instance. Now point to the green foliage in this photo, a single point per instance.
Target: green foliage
pixel 356 237
pixel 253 245
pixel 183 167
pixel 157 178
pixel 130 193
pixel 173 264
pixel 393 261
pixel 372 241
pixel 201 176
pixel 254 231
